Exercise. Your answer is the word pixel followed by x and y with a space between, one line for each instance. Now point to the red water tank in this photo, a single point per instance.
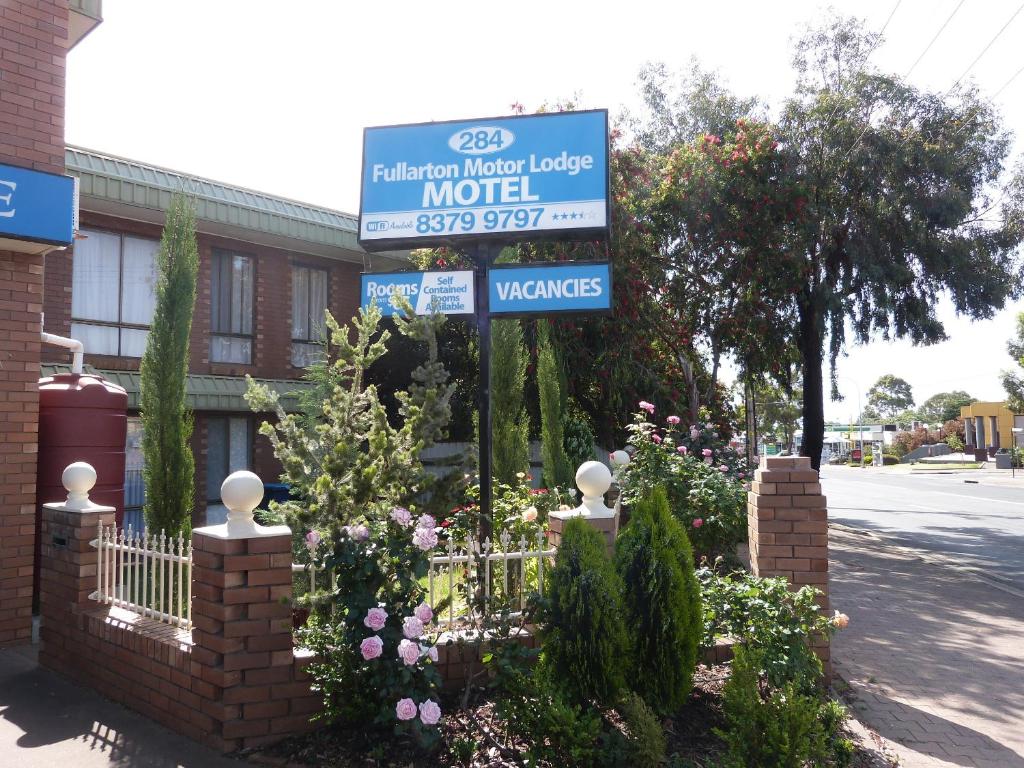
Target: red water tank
pixel 82 417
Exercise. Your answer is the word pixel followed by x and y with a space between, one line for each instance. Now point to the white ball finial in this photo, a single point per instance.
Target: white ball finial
pixel 593 479
pixel 619 458
pixel 78 479
pixel 241 493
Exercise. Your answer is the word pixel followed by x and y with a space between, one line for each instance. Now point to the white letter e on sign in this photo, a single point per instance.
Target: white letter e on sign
pixel 6 199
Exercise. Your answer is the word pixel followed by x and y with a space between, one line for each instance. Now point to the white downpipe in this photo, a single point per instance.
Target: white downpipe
pixel 76 347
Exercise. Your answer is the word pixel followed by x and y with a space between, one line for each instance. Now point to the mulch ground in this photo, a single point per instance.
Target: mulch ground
pixel 469 739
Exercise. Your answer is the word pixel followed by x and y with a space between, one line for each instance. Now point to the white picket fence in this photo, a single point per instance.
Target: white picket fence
pixel 148 574
pixel 485 565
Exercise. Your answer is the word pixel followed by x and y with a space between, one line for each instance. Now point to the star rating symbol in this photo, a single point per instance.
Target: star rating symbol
pixel 563 216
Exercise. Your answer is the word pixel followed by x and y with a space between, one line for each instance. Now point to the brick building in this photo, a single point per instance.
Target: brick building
pixel 35 36
pixel 268 269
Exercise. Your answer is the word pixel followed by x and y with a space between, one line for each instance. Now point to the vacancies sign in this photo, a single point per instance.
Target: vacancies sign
pixel 448 293
pixel 510 178
pixel 547 289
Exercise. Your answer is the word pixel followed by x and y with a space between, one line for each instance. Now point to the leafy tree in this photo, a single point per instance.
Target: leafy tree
pixel 906 198
pixel 1013 381
pixel 662 603
pixel 890 395
pixel 169 470
pixel 944 406
pixel 777 412
pixel 557 471
pixel 509 423
pixel 350 462
pixel 585 645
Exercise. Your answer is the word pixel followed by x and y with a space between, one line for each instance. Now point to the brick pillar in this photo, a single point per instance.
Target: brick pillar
pixel 593 479
pixel 787 526
pixel 68 564
pixel 242 635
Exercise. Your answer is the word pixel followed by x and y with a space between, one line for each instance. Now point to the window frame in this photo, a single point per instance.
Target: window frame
pixel 216 257
pixel 327 300
pixel 250 438
pixel 118 324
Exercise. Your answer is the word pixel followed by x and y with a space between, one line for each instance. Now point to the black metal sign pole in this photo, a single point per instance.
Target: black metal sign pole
pixel 484 256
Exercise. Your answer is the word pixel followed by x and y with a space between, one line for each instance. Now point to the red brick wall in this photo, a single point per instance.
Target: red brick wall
pixel 32 48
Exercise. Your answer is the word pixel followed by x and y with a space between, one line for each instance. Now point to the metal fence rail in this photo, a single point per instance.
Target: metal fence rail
pixel 147 574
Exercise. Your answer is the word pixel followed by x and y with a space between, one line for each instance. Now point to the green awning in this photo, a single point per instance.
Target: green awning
pixel 204 392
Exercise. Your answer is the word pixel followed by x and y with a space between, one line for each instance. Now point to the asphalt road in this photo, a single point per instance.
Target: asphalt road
pixel 978 525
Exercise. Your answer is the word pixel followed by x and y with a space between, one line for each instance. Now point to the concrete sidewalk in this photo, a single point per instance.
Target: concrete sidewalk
pixel 933 656
pixel 47 721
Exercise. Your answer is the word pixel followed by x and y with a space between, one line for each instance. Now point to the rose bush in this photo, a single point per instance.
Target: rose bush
pixel 704 478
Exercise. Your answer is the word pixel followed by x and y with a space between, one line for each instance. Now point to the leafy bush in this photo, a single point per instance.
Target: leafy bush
pixel 646 737
pixel 764 615
pixel 358 481
pixel 585 645
pixel 768 726
pixel 661 603
pixel 702 476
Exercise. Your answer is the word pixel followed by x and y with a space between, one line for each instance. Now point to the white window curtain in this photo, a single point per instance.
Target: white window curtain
pixel 317 303
pixel 138 292
pixel 95 277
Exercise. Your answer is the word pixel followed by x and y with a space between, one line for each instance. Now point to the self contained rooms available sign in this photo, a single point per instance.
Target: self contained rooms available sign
pixel 449 293
pixel 510 178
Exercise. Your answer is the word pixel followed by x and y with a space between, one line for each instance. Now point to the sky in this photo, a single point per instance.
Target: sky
pixel 274 95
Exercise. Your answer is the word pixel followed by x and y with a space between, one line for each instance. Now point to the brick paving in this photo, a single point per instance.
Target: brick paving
pixel 934 657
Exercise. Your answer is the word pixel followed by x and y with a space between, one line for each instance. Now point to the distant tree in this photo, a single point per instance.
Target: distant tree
pixel 944 406
pixel 778 413
pixel 1013 381
pixel 169 468
pixel 890 395
pixel 907 198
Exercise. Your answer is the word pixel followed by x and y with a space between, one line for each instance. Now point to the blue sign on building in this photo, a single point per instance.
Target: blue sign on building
pixel 508 178
pixel 36 206
pixel 449 293
pixel 577 287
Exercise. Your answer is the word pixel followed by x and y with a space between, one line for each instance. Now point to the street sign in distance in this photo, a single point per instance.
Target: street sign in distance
pixel 449 293
pixel 528 177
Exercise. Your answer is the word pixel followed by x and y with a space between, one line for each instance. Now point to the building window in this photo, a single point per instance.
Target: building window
pixel 228 449
pixel 113 292
pixel 231 308
pixel 309 302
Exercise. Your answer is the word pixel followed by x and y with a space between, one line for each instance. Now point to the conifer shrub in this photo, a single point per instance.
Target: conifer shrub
pixel 585 644
pixel 661 602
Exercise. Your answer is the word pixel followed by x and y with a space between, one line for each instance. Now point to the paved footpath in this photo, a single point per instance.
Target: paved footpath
pixel 47 721
pixel 933 656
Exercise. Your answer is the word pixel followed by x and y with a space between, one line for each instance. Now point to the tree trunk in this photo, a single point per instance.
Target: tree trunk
pixel 811 343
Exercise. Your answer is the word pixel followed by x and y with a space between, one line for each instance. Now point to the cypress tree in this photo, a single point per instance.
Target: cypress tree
pixel 661 603
pixel 557 471
pixel 169 470
pixel 585 644
pixel 511 428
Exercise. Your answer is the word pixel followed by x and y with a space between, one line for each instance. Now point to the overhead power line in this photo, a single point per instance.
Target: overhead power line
pixel 932 42
pixel 985 49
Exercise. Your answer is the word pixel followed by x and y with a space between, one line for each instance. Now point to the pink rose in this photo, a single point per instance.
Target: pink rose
pixel 706 452
pixel 723 468
pixel 656 438
pixel 840 620
pixel 708 461
pixel 402 516
pixel 409 652
pixel 694 433
pixel 371 647
pixel 358 532
pixel 405 709
pixel 312 541
pixel 649 407
pixel 424 613
pixel 425 538
pixel 741 475
pixel 698 522
pixel 673 420
pixel 682 450
pixel 430 712
pixel 426 521
pixel 412 627
pixel 375 618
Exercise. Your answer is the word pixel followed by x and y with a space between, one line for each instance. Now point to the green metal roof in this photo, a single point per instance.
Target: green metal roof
pixel 129 182
pixel 203 392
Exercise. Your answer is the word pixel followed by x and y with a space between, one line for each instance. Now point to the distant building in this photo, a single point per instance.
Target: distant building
pixel 988 426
